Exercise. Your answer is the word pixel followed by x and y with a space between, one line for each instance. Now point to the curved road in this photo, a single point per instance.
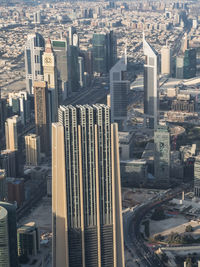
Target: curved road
pixel 142 255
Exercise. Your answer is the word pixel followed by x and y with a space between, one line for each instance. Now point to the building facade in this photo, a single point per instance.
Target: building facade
pixel 162 155
pixel 34 49
pixel 166 60
pixel 197 176
pixel 12 125
pixel 104 49
pixel 42 115
pixel 50 76
pixel 60 49
pixel 2 184
pixel 32 145
pixel 119 88
pixel 87 214
pixel 150 85
pixel 8 161
pixel 8 231
pixel 186 64
pixel 28 239
pixel 4 238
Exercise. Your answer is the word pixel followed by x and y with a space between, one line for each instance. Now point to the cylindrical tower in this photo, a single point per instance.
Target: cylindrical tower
pixel 4 243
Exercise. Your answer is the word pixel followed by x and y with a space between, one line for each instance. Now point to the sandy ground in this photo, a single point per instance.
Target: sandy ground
pixel 132 197
pixel 174 224
pixel 41 215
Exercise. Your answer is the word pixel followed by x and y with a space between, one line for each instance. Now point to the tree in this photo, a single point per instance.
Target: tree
pixel 158 237
pixel 188 262
pixel 158 214
pixel 189 228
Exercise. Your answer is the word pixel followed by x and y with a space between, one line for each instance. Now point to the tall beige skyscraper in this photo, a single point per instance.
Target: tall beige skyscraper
pixel 11 127
pixel 86 189
pixel 42 115
pixel 32 145
pixel 50 76
pixel 166 60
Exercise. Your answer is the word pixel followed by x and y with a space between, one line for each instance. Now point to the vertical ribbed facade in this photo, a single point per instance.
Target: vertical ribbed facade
pixel 8 235
pixel 4 243
pixel 90 221
pixel 11 133
pixel 32 146
pixel 42 115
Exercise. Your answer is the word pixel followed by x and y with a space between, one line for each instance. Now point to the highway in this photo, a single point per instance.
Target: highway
pixel 142 255
pixel 90 96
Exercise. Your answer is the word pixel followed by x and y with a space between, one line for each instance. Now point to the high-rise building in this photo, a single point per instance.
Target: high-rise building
pixel 197 176
pixel 37 17
pixel 4 240
pixel 81 71
pixel 34 49
pixel 87 213
pixel 119 88
pixel 73 36
pixel 50 76
pixel 184 43
pixel 8 234
pixel 2 184
pixel 162 155
pixel 189 68
pixel 42 115
pixel 32 145
pixel 88 61
pixel 16 191
pixel 28 239
pixel 166 60
pixel 8 161
pixel 20 105
pixel 60 49
pixel 151 94
pixel 179 66
pixel 12 126
pixel 104 51
pixel 3 114
pixel 186 64
pixel 73 68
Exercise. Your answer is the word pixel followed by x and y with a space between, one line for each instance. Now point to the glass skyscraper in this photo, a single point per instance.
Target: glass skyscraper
pixel 104 51
pixel 61 52
pixel 151 94
pixel 119 87
pixel 87 213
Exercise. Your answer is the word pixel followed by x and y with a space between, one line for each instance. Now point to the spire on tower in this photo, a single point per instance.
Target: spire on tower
pixel 48 47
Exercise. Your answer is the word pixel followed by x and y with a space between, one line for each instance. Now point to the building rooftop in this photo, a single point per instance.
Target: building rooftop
pixel 28 227
pixel 3 213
